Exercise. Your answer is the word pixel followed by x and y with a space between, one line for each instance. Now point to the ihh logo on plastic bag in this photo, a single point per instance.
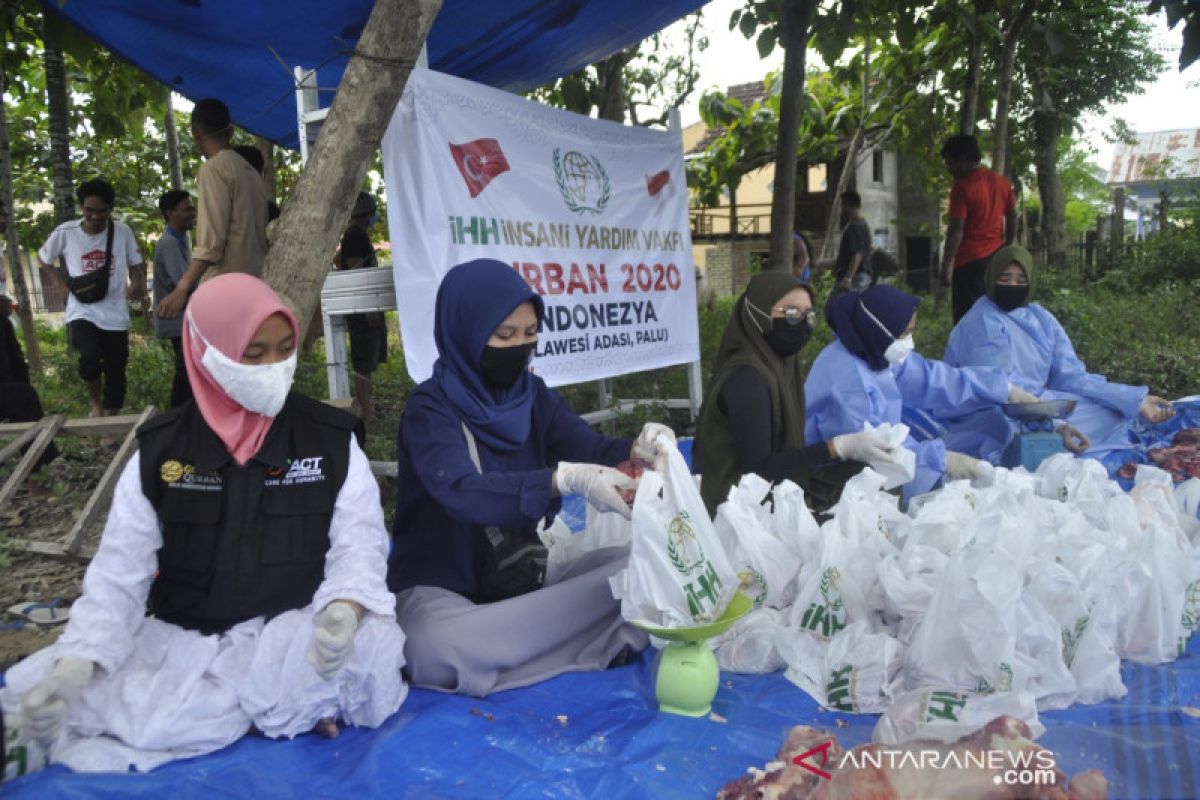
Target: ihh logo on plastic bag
pixel 827 617
pixel 687 556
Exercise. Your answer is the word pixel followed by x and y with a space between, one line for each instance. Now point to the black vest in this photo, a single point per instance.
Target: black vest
pixel 248 541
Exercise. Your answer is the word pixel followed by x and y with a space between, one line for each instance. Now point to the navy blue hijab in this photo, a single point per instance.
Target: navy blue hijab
pixel 864 336
pixel 472 301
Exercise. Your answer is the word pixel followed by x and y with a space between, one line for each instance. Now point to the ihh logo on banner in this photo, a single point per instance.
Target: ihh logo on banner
pixel 582 181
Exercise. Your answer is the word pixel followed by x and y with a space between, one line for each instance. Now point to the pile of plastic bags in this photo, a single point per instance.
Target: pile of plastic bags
pixel 1019 596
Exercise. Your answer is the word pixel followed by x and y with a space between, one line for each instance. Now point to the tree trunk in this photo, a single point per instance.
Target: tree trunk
pixel 850 165
pixel 1008 58
pixel 830 244
pixel 610 74
pixel 174 164
pixel 794 38
pixel 268 153
pixel 24 312
pixel 969 111
pixel 313 220
pixel 58 120
pixel 1046 127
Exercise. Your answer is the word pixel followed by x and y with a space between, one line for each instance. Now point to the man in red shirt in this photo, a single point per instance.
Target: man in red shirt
pixel 983 218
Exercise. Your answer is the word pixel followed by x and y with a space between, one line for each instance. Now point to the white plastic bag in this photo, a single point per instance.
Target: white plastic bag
pixel 750 645
pixel 904 466
pixel 852 673
pixel 767 566
pixel 967 639
pixel 831 596
pixel 678 574
pixel 947 715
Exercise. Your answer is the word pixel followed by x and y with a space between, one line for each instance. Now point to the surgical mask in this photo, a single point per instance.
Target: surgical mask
pixel 1011 297
pixel 502 366
pixel 261 388
pixel 787 338
pixel 899 350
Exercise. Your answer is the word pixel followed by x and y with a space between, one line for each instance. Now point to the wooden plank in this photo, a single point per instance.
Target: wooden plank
pixel 52 550
pixel 103 493
pixel 87 426
pixel 18 443
pixel 388 469
pixel 47 427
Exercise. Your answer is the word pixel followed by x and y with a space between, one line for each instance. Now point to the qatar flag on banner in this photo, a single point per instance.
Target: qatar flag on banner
pixel 592 214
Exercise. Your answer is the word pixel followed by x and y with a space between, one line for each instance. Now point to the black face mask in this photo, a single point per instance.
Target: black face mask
pixel 502 366
pixel 787 338
pixel 1011 297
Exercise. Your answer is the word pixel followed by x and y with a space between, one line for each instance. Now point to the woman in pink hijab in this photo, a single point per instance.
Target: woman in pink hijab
pixel 240 579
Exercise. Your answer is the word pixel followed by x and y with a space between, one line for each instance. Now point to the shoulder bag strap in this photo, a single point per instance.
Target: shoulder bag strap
pixel 108 242
pixel 493 533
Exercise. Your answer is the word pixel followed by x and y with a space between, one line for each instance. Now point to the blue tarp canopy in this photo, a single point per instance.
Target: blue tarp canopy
pixel 243 52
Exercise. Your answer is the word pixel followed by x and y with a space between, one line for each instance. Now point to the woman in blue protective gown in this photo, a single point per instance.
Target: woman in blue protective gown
pixel 870 372
pixel 1005 330
pixel 485 451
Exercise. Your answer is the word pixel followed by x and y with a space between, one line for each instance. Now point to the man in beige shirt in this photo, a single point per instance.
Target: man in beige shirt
pixel 231 232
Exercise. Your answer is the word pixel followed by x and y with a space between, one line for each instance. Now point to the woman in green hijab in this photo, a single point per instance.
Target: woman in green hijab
pixel 752 419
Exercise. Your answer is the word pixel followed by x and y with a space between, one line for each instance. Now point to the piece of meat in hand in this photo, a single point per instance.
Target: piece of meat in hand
pixel 633 467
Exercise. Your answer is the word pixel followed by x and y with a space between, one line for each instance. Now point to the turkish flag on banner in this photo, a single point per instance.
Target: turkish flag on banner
pixel 479 161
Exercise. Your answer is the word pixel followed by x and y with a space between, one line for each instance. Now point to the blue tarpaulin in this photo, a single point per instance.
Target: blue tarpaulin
pixel 598 735
pixel 243 51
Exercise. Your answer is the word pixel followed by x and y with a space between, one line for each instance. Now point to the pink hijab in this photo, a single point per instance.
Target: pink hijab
pixel 227 311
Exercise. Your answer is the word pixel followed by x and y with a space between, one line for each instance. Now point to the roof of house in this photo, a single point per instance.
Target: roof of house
pixel 747 93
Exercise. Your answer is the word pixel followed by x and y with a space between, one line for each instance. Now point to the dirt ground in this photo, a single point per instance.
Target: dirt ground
pixel 48 515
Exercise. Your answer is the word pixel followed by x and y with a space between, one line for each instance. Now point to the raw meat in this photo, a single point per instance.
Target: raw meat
pixel 921 770
pixel 1181 459
pixel 633 467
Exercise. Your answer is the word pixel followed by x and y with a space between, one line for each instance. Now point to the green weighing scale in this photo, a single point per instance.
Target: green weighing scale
pixel 685 671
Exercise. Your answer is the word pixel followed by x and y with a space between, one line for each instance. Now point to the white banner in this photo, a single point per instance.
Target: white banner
pixel 591 213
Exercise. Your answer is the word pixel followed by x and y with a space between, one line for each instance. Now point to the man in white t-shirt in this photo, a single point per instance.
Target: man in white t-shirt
pixel 98 331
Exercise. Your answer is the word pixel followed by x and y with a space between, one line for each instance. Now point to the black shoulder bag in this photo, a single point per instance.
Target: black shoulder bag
pixel 92 287
pixel 514 564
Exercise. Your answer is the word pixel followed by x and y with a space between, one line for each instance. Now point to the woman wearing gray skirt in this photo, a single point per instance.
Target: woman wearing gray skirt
pixel 485 452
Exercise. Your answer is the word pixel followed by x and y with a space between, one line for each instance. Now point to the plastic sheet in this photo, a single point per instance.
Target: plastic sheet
pixel 611 742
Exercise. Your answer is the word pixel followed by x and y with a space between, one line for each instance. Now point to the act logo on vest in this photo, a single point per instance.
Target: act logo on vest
pixel 300 470
pixel 184 476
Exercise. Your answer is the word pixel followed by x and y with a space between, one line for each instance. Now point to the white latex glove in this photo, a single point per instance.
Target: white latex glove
pixel 960 466
pixel 333 638
pixel 598 484
pixel 45 707
pixel 1018 395
pixel 650 447
pixel 1155 409
pixel 1073 439
pixel 862 446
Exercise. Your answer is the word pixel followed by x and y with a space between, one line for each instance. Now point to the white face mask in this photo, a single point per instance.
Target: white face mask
pixel 898 350
pixel 261 388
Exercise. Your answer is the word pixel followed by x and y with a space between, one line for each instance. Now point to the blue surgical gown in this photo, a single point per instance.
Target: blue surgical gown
pixel 1032 348
pixel 842 392
pixel 443 503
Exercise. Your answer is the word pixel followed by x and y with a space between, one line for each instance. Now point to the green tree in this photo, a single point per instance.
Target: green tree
pixel 1076 58
pixel 654 74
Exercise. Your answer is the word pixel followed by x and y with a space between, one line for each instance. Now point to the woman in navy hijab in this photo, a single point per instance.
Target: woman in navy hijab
pixel 485 452
pixel 870 372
